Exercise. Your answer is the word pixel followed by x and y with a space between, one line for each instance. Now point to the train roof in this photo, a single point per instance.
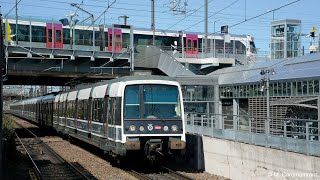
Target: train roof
pixel 99 90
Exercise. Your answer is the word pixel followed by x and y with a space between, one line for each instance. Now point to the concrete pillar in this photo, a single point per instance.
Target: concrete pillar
pixel 235 114
pixel 217 107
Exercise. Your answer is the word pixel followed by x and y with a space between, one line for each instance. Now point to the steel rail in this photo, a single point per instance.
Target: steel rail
pixel 54 153
pixel 34 164
pixel 176 174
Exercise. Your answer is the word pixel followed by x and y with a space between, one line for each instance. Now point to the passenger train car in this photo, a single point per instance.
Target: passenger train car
pixel 125 115
pixel 55 35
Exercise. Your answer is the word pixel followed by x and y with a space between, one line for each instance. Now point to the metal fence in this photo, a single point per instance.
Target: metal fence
pixel 288 134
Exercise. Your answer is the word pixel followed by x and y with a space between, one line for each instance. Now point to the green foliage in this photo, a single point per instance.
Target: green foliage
pixel 8 133
pixel 8 127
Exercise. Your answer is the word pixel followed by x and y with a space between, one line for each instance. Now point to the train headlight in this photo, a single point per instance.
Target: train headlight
pixel 174 128
pixel 141 128
pixel 165 128
pixel 132 128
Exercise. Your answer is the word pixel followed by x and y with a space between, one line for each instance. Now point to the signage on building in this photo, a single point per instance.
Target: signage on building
pixel 225 29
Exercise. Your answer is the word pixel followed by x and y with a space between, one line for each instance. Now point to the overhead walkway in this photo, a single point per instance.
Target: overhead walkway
pixel 152 57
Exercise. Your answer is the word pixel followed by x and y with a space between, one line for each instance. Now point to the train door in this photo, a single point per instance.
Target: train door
pixel 117 39
pixel 57 40
pixel 192 44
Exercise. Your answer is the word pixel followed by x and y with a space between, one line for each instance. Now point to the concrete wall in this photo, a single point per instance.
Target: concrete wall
pixel 243 161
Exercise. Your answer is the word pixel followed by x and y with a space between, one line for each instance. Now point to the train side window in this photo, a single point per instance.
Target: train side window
pixel 118 111
pixel 189 44
pixel 110 108
pixel 118 40
pixel 50 35
pixel 71 109
pixel 39 34
pixel 23 32
pixel 66 36
pixel 97 110
pixel 80 109
pixel 58 36
pixel 111 40
pixel 85 109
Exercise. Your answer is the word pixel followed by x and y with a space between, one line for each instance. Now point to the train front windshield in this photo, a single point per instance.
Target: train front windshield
pixel 152 102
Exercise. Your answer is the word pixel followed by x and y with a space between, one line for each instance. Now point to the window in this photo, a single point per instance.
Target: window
pixel 70 109
pixel 132 102
pixel 159 99
pixel 50 35
pixel 151 101
pixel 310 87
pixel 98 107
pixel 114 111
pixel 83 109
pixel 58 36
pixel 316 87
pixel 38 34
pixel 294 88
pixel 299 88
pixel 304 88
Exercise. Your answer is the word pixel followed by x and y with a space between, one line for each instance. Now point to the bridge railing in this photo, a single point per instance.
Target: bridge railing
pixel 287 134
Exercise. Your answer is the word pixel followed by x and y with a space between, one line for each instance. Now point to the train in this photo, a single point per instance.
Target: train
pixel 124 116
pixel 116 38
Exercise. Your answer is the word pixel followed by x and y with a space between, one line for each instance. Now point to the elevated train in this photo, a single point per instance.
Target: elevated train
pixel 135 114
pixel 91 38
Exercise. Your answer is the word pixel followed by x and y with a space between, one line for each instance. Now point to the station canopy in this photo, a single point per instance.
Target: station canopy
pixel 304 67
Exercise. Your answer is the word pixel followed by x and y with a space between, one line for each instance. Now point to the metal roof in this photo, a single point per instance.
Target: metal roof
pixel 304 67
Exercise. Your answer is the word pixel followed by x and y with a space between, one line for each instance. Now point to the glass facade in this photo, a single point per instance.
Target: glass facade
pixel 285 39
pixel 293 88
pixel 198 99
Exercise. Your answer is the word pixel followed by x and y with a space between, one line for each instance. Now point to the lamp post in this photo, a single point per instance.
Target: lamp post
pixel 214 38
pixel 72 24
pixel 266 81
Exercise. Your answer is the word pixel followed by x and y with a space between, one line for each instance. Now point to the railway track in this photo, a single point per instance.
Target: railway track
pixel 164 173
pixel 47 164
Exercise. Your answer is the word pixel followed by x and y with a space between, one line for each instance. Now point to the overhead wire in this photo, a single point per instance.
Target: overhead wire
pixel 213 14
pixel 189 15
pixel 16 4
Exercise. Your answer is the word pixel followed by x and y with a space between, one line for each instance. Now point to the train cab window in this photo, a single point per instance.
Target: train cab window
pixel 161 98
pixel 132 102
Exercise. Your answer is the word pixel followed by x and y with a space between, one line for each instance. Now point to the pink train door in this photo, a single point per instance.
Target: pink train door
pixel 117 39
pixel 57 36
pixel 192 44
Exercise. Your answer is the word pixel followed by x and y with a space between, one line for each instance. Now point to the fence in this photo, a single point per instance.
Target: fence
pixel 288 134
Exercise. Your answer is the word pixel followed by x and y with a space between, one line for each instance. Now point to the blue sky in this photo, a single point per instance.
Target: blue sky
pixel 140 15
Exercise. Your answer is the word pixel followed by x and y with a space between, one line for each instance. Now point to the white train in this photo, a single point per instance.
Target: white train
pixel 135 114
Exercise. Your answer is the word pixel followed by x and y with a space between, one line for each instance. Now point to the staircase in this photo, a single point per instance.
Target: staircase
pixel 152 57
